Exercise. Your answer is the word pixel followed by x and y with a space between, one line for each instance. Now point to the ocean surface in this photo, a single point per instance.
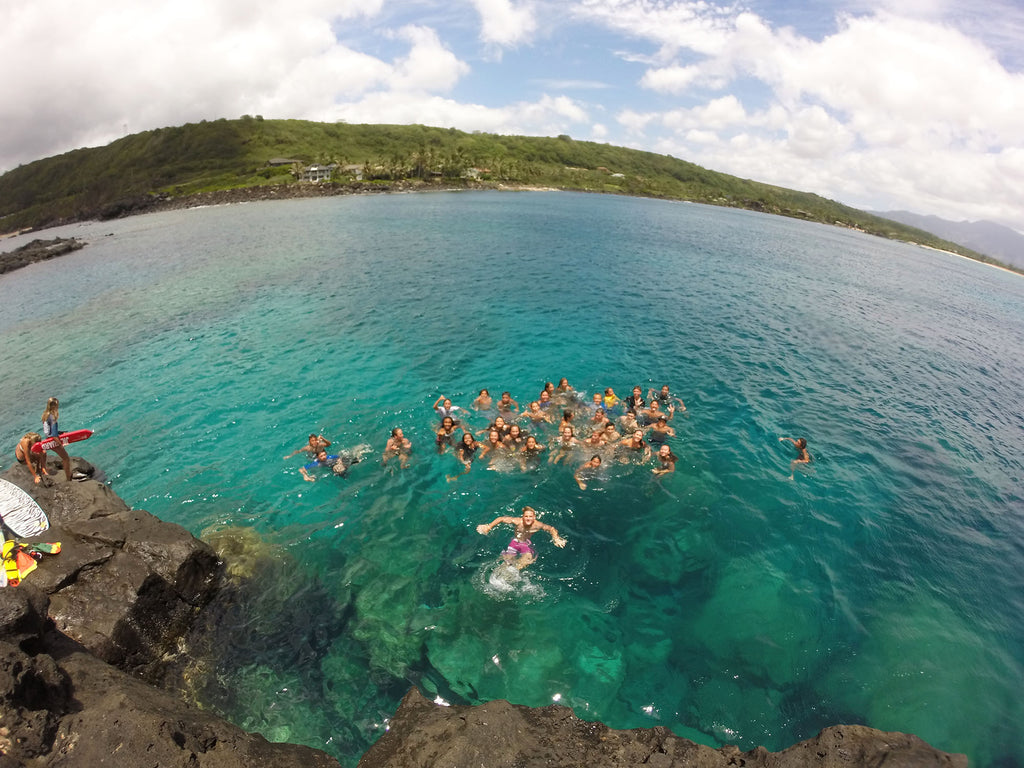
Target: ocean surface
pixel 881 584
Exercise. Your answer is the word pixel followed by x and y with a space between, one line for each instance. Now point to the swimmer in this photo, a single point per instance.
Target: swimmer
pixel 445 408
pixel 530 454
pixel 628 422
pixel 499 424
pixel 803 457
pixel 563 445
pixel 668 461
pixel 635 402
pixel 544 398
pixel 611 436
pixel 596 402
pixel 398 445
pixel 564 394
pixel 600 418
pixel 507 405
pixel 515 437
pixel 586 471
pixel 338 463
pixel 483 401
pixel 520 546
pixel 666 398
pixel 596 439
pixel 637 444
pixel 466 451
pixel 494 444
pixel 610 399
pixel 445 434
pixel 314 446
pixel 567 417
pixel 653 412
pixel 661 431
pixel 36 462
pixel 50 429
pixel 535 414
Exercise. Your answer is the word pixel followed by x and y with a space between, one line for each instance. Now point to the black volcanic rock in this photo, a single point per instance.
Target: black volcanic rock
pixel 86 636
pixel 503 735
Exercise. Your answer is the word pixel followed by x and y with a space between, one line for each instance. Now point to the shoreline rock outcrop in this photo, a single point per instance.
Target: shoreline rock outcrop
pixel 89 639
pixel 502 735
pixel 38 250
pixel 90 642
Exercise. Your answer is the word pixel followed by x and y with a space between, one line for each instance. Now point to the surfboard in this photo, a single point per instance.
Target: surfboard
pixel 20 512
pixel 64 439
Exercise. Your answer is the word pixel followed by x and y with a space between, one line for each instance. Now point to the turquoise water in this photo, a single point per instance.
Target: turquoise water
pixel 726 601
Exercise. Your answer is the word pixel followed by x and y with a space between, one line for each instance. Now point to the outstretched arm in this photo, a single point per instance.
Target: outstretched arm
pixel 558 540
pixel 790 439
pixel 485 528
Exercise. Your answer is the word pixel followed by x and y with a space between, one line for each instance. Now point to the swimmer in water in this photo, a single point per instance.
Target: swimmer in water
pixel 661 431
pixel 803 457
pixel 446 433
pixel 635 402
pixel 636 444
pixel 316 444
pixel 535 414
pixel 611 436
pixel 338 463
pixel 515 437
pixel 563 445
pixel 483 401
pixel 445 408
pixel 499 424
pixel 610 399
pixel 507 405
pixel 529 456
pixel 398 445
pixel 666 398
pixel 544 399
pixel 36 462
pixel 520 546
pixel 466 451
pixel 587 471
pixel 668 461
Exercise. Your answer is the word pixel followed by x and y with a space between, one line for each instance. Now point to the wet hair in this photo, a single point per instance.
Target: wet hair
pixel 394 432
pixel 801 443
pixel 595 456
pixel 33 437
pixel 484 392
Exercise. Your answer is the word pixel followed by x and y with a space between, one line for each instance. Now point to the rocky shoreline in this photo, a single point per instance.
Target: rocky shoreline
pixel 38 250
pixel 91 641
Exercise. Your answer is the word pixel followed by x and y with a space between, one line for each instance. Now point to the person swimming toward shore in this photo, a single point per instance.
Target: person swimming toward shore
pixel 520 549
pixel 803 457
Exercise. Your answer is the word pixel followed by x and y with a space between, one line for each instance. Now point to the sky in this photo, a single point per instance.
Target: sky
pixel 879 104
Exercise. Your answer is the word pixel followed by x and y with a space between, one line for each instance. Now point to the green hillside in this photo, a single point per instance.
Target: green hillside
pixel 133 173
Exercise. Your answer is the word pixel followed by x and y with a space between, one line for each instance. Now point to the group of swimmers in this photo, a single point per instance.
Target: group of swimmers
pixel 605 426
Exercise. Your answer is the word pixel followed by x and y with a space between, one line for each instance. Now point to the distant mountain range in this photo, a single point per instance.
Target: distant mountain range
pixel 993 240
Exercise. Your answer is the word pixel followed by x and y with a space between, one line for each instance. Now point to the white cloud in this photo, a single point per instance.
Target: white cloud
pixel 429 66
pixel 504 23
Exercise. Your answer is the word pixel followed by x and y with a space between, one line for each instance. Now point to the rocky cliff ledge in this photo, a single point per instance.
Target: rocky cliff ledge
pixel 87 642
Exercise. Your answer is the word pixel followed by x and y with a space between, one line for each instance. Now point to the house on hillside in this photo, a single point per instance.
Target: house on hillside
pixel 318 173
pixel 275 162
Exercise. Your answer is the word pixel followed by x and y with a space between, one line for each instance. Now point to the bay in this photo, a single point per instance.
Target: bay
pixel 726 601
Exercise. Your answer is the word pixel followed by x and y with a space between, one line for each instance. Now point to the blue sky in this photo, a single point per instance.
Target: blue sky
pixel 880 104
